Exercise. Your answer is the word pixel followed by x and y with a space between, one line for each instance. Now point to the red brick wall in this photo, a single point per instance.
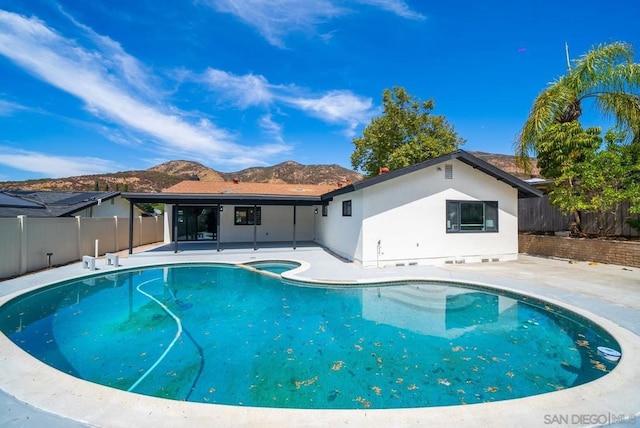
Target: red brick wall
pixel 611 252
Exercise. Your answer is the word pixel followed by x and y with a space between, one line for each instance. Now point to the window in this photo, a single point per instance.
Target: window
pixel 472 216
pixel 346 208
pixel 247 216
pixel 325 210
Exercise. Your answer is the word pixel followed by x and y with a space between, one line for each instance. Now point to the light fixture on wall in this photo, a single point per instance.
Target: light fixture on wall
pixel 315 211
pixel 221 208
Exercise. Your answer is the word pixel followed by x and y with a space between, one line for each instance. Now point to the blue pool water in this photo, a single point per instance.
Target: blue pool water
pixel 228 335
pixel 276 266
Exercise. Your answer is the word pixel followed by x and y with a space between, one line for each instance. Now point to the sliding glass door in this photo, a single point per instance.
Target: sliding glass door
pixel 197 223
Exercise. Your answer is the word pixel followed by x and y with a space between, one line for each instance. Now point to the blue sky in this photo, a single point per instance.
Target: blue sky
pixel 99 86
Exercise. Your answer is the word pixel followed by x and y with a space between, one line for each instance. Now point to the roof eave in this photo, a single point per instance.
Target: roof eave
pixel 219 198
pixel 525 190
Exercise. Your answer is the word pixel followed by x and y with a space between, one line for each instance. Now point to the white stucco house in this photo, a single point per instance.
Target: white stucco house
pixel 455 208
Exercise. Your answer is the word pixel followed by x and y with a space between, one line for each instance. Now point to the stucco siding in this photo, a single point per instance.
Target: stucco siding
pixel 115 207
pixel 276 224
pixel 342 234
pixel 404 220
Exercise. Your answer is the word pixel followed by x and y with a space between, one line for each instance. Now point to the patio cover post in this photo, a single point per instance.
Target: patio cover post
pixel 218 214
pixel 174 216
pixel 130 226
pixel 294 226
pixel 255 227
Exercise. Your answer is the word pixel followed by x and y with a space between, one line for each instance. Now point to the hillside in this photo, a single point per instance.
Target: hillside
pixel 291 172
pixel 508 164
pixel 162 176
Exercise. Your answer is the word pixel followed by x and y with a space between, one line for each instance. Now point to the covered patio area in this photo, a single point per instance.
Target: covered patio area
pixel 224 221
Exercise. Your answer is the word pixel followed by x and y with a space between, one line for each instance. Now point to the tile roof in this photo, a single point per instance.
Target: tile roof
pixel 242 188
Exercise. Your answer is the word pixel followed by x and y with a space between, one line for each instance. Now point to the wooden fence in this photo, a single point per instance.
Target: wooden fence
pixel 538 215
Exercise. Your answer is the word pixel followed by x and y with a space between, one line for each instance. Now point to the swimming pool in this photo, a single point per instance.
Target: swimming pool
pixel 222 334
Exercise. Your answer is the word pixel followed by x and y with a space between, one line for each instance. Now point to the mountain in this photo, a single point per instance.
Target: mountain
pixel 188 169
pixel 132 181
pixel 291 172
pixel 165 175
pixel 507 163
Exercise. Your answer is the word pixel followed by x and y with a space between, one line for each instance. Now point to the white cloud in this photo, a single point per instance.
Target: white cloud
pixel 338 107
pixel 118 61
pixel 110 83
pixel 7 108
pixel 271 128
pixel 399 7
pixel 54 166
pixel 244 91
pixel 275 19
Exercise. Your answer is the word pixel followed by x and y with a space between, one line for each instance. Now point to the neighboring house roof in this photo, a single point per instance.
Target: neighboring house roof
pixel 49 204
pixel 525 190
pixel 541 184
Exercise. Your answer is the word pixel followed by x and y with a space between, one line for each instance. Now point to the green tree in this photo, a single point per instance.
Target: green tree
pixel 562 150
pixel 406 133
pixel 608 76
pixel 150 208
pixel 96 187
pixel 590 177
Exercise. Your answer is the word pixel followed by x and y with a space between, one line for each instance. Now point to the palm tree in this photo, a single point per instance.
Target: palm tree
pixel 605 74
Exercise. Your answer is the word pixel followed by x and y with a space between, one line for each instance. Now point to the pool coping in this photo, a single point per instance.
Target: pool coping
pixel 596 403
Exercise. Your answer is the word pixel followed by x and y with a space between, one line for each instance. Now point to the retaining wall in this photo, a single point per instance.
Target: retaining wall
pixel 624 253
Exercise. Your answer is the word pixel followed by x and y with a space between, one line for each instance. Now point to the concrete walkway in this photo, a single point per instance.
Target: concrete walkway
pixel 608 294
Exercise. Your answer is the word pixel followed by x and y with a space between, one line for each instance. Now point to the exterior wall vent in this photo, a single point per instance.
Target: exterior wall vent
pixel 448 171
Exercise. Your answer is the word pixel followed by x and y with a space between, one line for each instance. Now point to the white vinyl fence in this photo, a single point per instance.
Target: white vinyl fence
pixel 26 241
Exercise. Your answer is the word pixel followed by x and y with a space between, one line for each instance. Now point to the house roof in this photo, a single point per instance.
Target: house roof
pixel 198 192
pixel 242 188
pixel 48 204
pixel 525 190
pixel 240 193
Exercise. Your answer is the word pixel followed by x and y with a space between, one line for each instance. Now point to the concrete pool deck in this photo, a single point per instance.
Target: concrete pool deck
pixel 34 394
